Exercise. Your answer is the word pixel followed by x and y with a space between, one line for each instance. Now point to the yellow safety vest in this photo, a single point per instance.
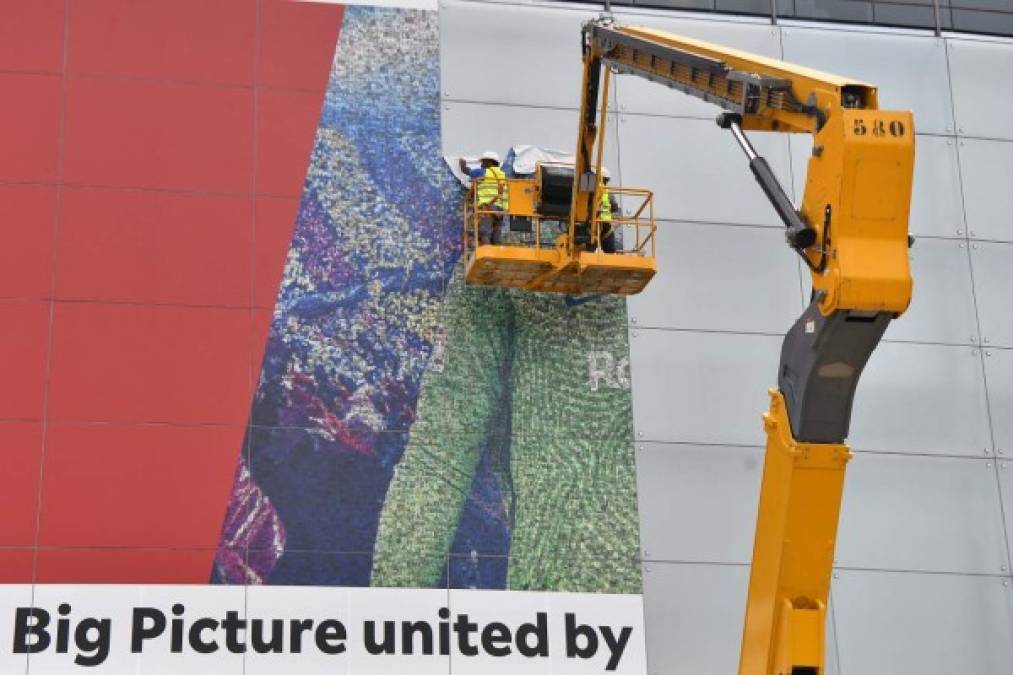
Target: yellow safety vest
pixel 605 208
pixel 489 184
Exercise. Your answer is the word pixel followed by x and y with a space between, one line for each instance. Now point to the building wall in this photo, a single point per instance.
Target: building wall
pixel 149 182
pixel 922 582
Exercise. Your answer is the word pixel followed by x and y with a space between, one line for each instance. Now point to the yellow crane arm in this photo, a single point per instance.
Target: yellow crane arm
pixel 852 232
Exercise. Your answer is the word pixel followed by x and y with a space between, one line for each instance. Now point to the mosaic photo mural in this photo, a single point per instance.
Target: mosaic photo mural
pixel 408 430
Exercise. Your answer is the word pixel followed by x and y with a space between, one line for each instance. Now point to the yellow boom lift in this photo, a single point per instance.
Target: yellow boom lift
pixel 852 233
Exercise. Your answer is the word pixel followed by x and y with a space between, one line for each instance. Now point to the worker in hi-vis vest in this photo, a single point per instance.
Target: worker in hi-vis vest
pixel 492 196
pixel 607 207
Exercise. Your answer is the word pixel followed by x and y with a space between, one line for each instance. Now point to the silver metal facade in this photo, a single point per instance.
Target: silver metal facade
pixel 923 583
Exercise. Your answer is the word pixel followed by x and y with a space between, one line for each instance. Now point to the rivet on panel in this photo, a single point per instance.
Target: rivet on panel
pixel 640 434
pixel 974 246
pixel 836 575
pixel 633 334
pixel 974 339
pixel 633 319
pixel 973 233
pixel 986 451
pixel 988 354
pixel 961 246
pixel 988 465
pixel 960 232
pixel 641 448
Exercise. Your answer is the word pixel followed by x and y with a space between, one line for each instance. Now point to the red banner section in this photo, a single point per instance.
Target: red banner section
pixel 154 156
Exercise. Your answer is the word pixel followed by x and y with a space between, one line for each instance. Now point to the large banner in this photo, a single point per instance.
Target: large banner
pixel 435 477
pixel 409 430
pixel 168 630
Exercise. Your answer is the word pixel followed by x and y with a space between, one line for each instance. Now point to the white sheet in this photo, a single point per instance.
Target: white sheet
pixel 525 158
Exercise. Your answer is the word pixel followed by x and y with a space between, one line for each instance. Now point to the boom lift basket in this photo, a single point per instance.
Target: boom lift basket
pixel 548 257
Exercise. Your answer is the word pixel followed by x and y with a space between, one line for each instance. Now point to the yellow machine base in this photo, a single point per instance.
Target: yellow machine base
pixel 549 269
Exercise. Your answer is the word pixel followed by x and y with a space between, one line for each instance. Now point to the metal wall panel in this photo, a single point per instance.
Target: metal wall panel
pixel 676 4
pixel 986 5
pixel 993 285
pixel 693 616
pixel 942 305
pixel 910 71
pixel 701 387
pixel 835 10
pixel 471 128
pixel 933 514
pixel 1006 488
pixel 936 206
pixel 986 167
pixel 503 53
pixel 720 277
pixel 999 375
pixel 930 624
pixel 759 7
pixel 924 399
pixel 637 95
pixel 799 150
pixel 697 502
pixel 832 664
pixel 984 21
pixel 908 14
pixel 980 104
pixel 697 170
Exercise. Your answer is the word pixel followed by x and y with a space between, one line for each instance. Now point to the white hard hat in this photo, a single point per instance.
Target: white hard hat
pixel 605 173
pixel 489 154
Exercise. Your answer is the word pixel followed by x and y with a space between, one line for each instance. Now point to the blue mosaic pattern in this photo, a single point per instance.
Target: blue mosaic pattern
pixel 356 315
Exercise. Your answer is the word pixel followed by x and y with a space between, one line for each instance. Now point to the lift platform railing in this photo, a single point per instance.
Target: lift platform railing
pixel 634 224
pixel 520 194
pixel 635 220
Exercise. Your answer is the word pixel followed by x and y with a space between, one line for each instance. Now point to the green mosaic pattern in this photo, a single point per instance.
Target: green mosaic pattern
pixel 540 381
